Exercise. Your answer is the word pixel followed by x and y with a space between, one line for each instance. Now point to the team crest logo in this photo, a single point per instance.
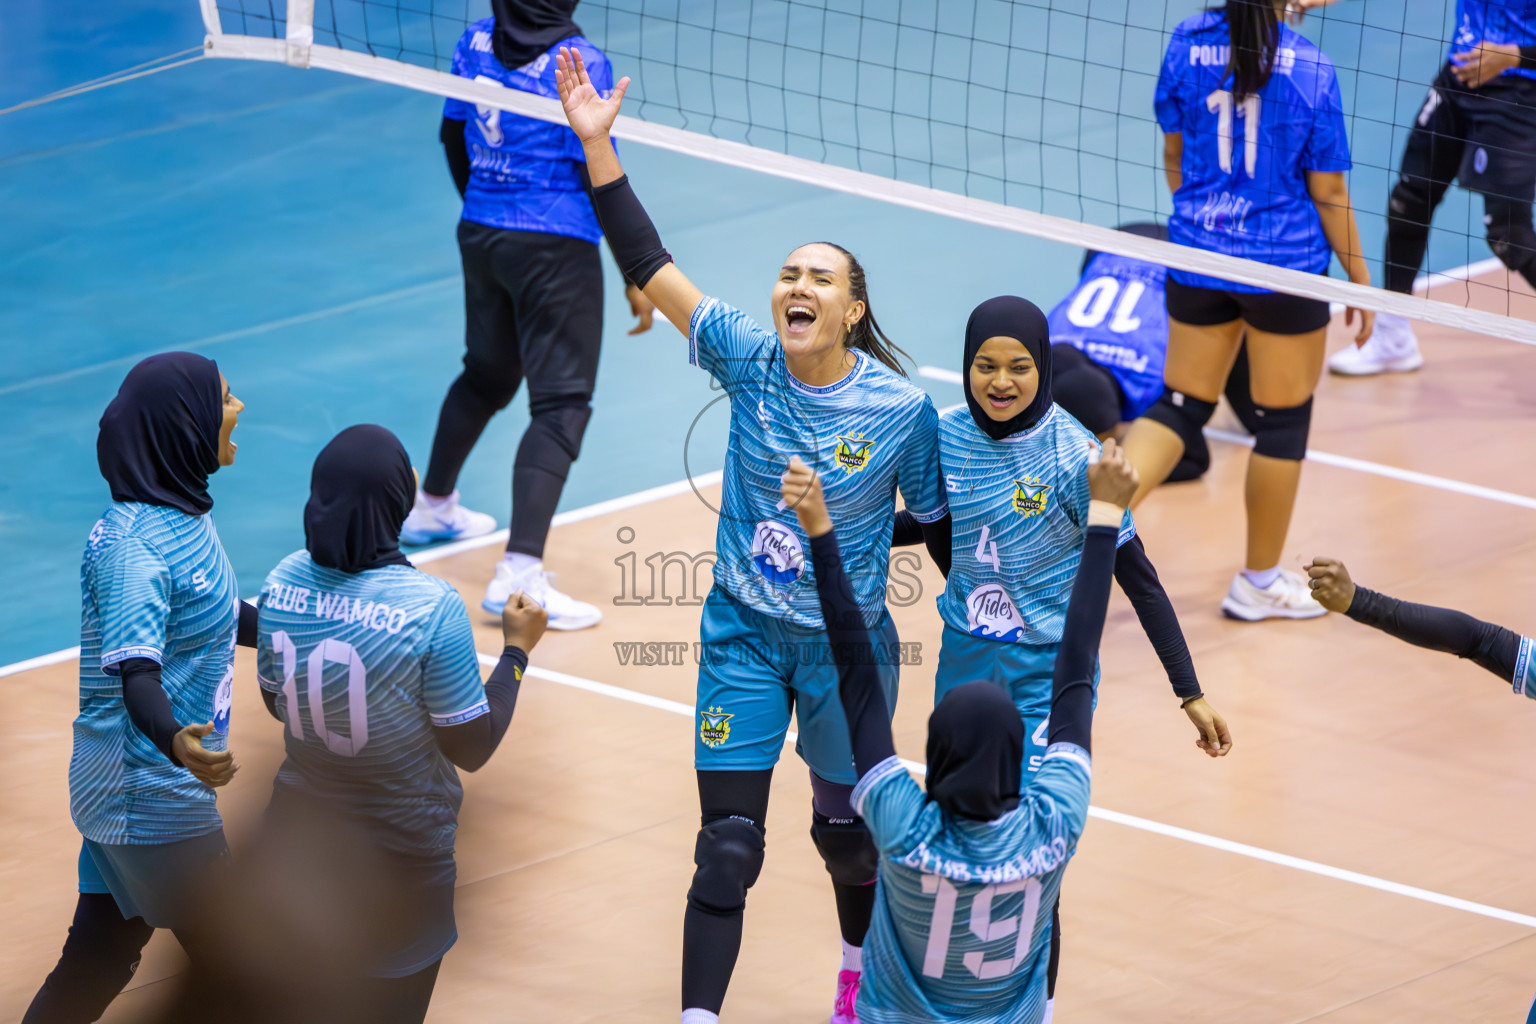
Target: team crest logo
pixel 1029 496
pixel 852 452
pixel 714 727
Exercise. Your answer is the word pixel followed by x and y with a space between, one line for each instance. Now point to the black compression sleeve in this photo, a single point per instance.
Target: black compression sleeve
pixel 470 744
pixel 869 719
pixel 939 537
pixel 270 700
pixel 905 530
pixel 1072 685
pixel 1528 57
pixel 451 134
pixel 245 632
pixel 148 707
pixel 631 235
pixel 586 183
pixel 1138 579
pixel 1440 629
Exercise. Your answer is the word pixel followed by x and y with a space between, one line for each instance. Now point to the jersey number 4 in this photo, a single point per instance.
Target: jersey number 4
pixel 981 925
pixel 1220 103
pixel 336 652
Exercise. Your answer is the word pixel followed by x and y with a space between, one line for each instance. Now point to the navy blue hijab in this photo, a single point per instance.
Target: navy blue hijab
pixel 1009 316
pixel 975 752
pixel 159 438
pixel 526 29
pixel 360 492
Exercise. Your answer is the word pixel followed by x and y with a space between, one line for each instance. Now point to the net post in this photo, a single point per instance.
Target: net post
pixel 211 22
pixel 301 32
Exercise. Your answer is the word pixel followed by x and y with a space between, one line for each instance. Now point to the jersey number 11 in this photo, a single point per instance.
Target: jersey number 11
pixel 1220 103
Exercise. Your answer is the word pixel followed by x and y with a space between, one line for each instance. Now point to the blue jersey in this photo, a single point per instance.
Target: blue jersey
pixel 962 920
pixel 363 665
pixel 1116 315
pixel 1245 184
pixel 155 584
pixel 1494 21
pixel 1019 508
pixel 1525 668
pixel 524 173
pixel 869 434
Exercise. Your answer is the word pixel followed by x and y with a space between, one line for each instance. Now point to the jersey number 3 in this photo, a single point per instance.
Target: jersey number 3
pixel 337 652
pixel 981 925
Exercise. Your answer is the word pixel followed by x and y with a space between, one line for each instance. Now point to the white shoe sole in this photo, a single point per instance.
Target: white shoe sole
pixel 563 623
pixel 416 538
pixel 1258 613
pixel 1402 364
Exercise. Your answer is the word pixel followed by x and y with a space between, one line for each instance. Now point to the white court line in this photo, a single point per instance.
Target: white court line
pixel 41 661
pixel 1326 458
pixel 1103 814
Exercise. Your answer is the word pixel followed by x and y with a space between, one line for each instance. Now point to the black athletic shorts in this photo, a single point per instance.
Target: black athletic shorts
pixel 1270 312
pixel 1484 138
pixel 533 310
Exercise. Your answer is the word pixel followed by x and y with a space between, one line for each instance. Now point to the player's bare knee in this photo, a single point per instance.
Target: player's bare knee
pixel 846 849
pixel 1183 414
pixel 728 857
pixel 1282 433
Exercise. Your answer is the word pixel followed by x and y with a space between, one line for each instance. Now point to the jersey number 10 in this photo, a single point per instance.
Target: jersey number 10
pixel 981 925
pixel 1092 302
pixel 1220 103
pixel 336 652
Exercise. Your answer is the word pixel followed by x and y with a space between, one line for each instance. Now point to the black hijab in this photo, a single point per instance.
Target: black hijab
pixel 159 438
pixel 527 28
pixel 975 752
pixel 1009 316
pixel 360 492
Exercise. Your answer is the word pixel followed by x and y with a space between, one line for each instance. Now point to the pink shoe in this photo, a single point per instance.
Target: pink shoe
pixel 845 1009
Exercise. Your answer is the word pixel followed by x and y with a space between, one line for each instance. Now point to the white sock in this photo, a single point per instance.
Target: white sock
pixel 697 1016
pixel 1050 1007
pixel 521 563
pixel 1262 578
pixel 1389 321
pixel 853 957
pixel 433 501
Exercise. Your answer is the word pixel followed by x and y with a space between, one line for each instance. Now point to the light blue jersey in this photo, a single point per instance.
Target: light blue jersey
pixel 1117 316
pixel 1244 190
pixel 363 665
pixel 524 174
pixel 1525 668
pixel 1494 21
pixel 1020 509
pixel 962 920
pixel 869 434
pixel 155 584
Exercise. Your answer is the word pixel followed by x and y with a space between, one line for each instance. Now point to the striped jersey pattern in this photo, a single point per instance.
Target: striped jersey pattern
pixel 962 920
pixel 363 665
pixel 1020 509
pixel 155 584
pixel 869 434
pixel 1525 668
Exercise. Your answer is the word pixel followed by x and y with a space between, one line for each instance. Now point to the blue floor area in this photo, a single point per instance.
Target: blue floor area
pixel 298 227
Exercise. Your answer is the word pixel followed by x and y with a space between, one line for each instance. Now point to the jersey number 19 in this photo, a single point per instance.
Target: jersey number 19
pixel 981 925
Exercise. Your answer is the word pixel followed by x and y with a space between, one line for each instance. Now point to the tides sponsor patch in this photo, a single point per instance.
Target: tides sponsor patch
pixel 990 614
pixel 776 553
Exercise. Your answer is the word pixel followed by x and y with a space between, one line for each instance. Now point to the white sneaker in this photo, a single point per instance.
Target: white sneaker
pixel 1391 348
pixel 446 521
pixel 564 612
pixel 1287 597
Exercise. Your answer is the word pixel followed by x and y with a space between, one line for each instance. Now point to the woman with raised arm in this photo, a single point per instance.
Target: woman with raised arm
pixel 825 386
pixel 969 870
pixel 1255 151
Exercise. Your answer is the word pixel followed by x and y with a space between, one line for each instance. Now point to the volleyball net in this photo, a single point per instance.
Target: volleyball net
pixel 1034 116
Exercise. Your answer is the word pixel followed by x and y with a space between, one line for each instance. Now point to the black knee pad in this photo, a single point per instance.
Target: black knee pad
pixel 563 419
pixel 1183 414
pixel 1510 235
pixel 846 849
pixel 1282 433
pixel 729 857
pixel 1411 205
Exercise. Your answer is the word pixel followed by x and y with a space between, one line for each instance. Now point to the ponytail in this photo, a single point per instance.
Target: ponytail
pixel 866 334
pixel 1253 28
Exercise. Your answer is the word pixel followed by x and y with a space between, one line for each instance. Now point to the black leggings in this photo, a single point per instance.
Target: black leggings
pixel 533 309
pixel 100 956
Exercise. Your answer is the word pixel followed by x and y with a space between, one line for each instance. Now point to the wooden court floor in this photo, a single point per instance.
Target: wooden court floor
pixel 1352 751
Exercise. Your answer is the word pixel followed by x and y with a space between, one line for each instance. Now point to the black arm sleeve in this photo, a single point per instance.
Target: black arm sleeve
pixel 1528 57
pixel 907 531
pixel 470 744
pixel 1072 685
pixel 631 235
pixel 148 707
pixel 586 183
pixel 457 150
pixel 1138 579
pixel 869 719
pixel 245 632
pixel 1440 629
pixel 270 700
